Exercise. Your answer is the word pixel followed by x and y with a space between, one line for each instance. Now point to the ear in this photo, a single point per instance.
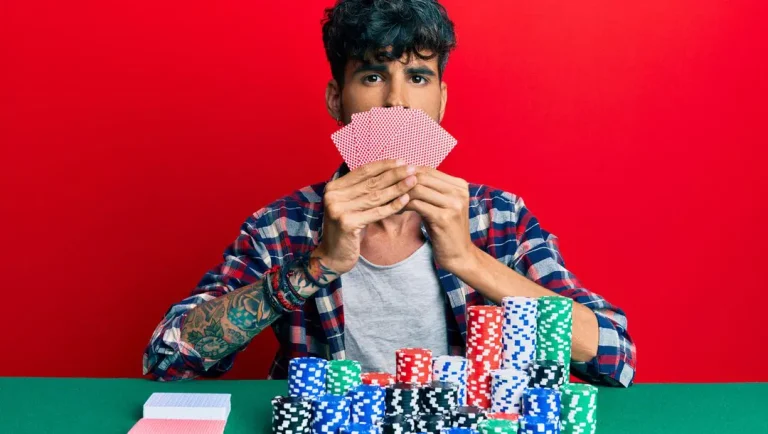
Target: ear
pixel 333 100
pixel 443 99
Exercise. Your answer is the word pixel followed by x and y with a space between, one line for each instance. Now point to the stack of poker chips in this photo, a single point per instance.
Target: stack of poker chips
pixel 367 402
pixel 483 352
pixel 360 428
pixel 306 377
pixel 452 369
pixel 498 426
pixel 378 378
pixel 291 415
pixel 402 398
pixel 438 397
pixel 467 417
pixel 542 402
pixel 431 423
pixel 538 425
pixel 554 331
pixel 458 431
pixel 413 365
pixel 507 386
pixel 343 376
pixel 398 424
pixel 547 373
pixel 331 412
pixel 579 411
pixel 518 333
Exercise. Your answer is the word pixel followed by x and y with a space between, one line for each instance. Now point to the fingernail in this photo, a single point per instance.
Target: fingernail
pixel 404 199
pixel 410 181
pixel 411 170
pixel 399 163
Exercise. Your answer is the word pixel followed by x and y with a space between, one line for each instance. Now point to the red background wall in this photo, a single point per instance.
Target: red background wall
pixel 137 136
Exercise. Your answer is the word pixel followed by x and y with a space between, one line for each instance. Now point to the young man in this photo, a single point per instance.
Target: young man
pixel 414 247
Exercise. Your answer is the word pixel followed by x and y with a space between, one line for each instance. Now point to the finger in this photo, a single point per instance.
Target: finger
pixel 377 198
pixel 364 172
pixel 378 183
pixel 432 196
pixel 458 182
pixel 381 212
pixel 426 210
pixel 429 180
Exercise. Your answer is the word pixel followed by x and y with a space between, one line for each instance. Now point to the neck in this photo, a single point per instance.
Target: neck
pixel 395 226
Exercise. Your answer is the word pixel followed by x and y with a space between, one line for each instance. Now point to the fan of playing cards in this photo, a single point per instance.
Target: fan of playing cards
pixel 387 133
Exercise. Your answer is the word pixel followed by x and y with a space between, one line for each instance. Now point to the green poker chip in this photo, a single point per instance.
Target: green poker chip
pixel 554 322
pixel 579 409
pixel 342 375
pixel 497 426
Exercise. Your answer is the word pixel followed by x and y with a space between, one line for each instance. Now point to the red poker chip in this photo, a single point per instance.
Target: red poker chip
pixel 414 365
pixel 378 378
pixel 502 416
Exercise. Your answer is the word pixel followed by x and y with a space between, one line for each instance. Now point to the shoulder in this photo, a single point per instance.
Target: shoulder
pixel 297 213
pixel 497 205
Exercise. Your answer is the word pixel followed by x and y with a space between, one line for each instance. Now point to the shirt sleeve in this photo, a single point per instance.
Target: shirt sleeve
pixel 538 257
pixel 167 357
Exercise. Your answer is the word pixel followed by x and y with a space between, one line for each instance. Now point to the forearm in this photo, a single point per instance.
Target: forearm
pixel 495 281
pixel 221 326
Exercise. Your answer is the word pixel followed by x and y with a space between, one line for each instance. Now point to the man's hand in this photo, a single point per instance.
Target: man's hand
pixel 443 203
pixel 365 195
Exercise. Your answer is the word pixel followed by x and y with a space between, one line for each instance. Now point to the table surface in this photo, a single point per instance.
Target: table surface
pixel 86 405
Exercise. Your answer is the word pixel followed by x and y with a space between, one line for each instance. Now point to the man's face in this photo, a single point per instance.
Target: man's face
pixel 413 85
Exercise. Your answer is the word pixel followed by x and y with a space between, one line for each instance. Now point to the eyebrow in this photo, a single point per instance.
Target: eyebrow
pixel 380 67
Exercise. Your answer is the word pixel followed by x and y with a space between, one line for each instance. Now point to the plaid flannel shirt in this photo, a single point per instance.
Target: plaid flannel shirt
pixel 499 224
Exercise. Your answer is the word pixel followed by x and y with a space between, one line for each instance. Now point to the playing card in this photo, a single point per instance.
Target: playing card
pixel 360 128
pixel 420 141
pixel 383 125
pixel 176 426
pixel 345 143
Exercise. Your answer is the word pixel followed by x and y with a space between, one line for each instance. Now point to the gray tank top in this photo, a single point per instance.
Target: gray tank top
pixel 391 307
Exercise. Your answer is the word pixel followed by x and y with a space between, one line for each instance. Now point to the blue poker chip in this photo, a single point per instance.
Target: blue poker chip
pixel 360 428
pixel 330 413
pixel 307 377
pixel 367 404
pixel 541 402
pixel 539 425
pixel 458 431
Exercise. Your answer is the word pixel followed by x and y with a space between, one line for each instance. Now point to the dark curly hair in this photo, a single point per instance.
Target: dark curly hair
pixel 360 29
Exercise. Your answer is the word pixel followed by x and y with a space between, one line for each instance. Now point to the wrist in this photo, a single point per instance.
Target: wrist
pixel 465 264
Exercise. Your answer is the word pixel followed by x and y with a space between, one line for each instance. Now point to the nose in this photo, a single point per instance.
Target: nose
pixel 396 96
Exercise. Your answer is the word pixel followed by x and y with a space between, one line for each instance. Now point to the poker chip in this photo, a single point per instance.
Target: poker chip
pixel 497 426
pixel 398 424
pixel 578 413
pixel 554 330
pixel 431 423
pixel 291 415
pixel 547 373
pixel 378 378
pixel 507 387
pixel 367 404
pixel 413 365
pixel 360 428
pixel 484 325
pixel 539 425
pixel 342 376
pixel 330 413
pixel 438 397
pixel 452 369
pixel 541 402
pixel 458 431
pixel 503 416
pixel 402 398
pixel 518 332
pixel 306 377
pixel 467 417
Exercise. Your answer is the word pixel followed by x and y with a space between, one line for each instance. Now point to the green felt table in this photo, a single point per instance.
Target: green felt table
pixel 84 405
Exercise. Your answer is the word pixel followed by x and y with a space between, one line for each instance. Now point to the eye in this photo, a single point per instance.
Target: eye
pixel 373 78
pixel 420 79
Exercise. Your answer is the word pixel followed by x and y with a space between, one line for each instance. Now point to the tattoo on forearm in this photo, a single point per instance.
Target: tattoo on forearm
pixel 219 327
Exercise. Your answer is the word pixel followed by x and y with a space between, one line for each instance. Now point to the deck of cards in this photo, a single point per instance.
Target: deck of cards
pixel 393 132
pixel 187 413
